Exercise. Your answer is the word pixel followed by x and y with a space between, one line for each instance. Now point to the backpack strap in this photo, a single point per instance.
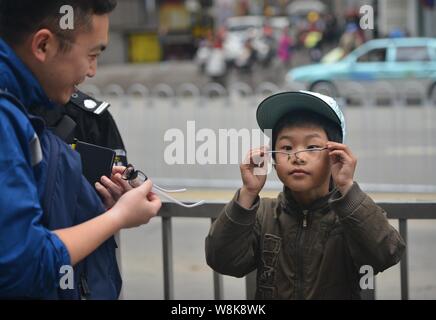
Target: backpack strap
pixel 65 129
pixel 37 123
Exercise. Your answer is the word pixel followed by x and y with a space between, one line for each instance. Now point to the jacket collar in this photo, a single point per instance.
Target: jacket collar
pixel 289 204
pixel 17 79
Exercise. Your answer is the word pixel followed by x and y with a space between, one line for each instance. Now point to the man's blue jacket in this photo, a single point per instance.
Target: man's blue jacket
pixel 42 189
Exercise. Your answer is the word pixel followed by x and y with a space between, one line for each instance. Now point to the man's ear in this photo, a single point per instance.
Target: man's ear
pixel 43 45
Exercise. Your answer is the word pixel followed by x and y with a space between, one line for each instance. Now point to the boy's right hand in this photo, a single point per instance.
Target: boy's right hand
pixel 137 206
pixel 253 172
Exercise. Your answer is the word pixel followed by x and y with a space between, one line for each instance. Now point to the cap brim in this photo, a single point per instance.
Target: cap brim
pixel 276 106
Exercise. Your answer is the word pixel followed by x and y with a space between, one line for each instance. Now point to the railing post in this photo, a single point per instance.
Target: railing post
pixel 167 246
pixel 404 270
pixel 217 282
pixel 217 286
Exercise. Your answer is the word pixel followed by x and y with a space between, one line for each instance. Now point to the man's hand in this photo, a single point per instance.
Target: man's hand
pixel 253 172
pixel 112 189
pixel 136 207
pixel 343 164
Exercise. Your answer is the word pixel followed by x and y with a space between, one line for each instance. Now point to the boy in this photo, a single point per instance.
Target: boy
pixel 311 241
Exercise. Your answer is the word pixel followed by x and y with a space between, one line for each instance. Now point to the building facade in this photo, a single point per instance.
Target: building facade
pixel 155 30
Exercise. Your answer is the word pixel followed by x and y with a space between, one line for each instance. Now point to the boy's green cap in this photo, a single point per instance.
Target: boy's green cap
pixel 276 106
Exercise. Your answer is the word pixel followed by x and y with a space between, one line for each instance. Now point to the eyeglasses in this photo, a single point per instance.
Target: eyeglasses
pixel 281 153
pixel 137 178
pixel 134 177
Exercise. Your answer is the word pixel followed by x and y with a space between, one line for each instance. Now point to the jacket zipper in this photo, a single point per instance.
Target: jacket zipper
pixel 84 289
pixel 305 219
pixel 300 256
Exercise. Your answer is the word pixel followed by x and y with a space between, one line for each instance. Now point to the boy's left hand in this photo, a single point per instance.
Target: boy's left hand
pixel 343 164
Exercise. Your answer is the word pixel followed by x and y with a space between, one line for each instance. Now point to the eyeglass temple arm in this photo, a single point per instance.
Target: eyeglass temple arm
pixel 163 194
pixel 160 188
pixel 170 191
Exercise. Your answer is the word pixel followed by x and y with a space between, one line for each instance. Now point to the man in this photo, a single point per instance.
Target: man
pixel 51 218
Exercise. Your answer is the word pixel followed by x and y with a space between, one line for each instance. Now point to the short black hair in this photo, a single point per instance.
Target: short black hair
pixel 21 18
pixel 300 118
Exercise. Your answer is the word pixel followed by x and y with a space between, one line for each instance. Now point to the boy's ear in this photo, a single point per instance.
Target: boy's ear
pixel 43 45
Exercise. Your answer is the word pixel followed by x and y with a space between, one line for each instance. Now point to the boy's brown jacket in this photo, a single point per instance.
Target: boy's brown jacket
pixel 315 253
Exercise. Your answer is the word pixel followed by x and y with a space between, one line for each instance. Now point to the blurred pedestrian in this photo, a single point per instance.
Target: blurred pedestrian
pixel 216 67
pixel 285 48
pixel 203 53
pixel 266 48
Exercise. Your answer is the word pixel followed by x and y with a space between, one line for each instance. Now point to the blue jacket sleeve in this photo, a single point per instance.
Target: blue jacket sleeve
pixel 30 255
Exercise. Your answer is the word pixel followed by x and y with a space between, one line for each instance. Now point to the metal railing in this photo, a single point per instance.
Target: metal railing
pixel 412 92
pixel 401 211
